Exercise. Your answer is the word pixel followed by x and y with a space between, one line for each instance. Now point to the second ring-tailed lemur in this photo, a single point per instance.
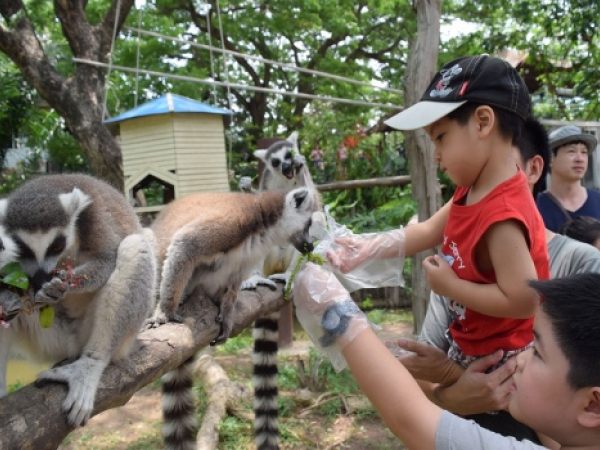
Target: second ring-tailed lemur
pixel 84 251
pixel 206 245
pixel 284 169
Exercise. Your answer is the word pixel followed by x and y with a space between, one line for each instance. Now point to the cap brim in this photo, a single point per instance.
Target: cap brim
pixel 422 114
pixel 590 141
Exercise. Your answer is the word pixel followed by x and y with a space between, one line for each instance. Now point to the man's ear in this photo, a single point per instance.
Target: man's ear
pixel 485 120
pixel 533 169
pixel 589 417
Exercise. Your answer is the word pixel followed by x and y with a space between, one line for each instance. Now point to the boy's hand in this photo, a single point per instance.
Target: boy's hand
pixel 348 253
pixel 429 363
pixel 439 274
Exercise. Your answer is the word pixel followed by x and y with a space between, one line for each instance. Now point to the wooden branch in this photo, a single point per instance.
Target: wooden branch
pixel 31 418
pixel 223 395
pixel 399 180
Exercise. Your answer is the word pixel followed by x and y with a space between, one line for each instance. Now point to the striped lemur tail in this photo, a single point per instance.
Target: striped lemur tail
pixel 179 414
pixel 264 360
pixel 285 169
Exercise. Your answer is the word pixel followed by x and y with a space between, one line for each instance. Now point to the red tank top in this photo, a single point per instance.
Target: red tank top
pixel 478 334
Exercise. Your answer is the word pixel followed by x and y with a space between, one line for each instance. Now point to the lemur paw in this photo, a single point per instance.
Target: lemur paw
pixel 255 280
pixel 279 277
pixel 82 378
pixel 160 319
pixel 52 291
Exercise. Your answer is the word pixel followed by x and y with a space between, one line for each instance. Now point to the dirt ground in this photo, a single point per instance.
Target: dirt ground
pixel 136 425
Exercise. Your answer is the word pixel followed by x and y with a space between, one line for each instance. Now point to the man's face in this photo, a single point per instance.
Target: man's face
pixel 541 396
pixel 570 162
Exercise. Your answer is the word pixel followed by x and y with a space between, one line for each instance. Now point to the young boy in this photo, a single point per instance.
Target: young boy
pixel 556 385
pixel 492 237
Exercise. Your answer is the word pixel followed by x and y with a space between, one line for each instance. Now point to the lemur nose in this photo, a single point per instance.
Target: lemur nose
pixel 39 278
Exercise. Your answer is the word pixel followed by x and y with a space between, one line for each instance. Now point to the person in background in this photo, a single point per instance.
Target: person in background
pixel 567 198
pixel 583 228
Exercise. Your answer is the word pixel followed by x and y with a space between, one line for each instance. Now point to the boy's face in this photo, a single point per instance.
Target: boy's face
pixel 456 150
pixel 541 396
pixel 570 162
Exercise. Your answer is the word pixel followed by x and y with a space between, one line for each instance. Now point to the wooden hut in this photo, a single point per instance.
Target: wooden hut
pixel 175 141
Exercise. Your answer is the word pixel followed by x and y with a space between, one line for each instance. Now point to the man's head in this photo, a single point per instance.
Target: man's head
pixel 583 228
pixel 557 384
pixel 570 152
pixel 533 154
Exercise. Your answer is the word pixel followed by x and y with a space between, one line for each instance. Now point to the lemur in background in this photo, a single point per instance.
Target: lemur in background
pixel 284 169
pixel 206 245
pixel 84 251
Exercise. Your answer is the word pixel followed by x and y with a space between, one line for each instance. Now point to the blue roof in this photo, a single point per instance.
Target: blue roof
pixel 169 103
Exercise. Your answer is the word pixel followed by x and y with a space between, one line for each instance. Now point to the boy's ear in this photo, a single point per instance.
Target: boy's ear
pixel 533 169
pixel 589 417
pixel 485 120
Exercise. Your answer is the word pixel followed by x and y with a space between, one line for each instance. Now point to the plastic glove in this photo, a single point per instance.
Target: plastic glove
pixel 350 252
pixel 327 312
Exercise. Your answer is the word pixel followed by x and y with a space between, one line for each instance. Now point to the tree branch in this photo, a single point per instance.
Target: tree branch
pixel 31 418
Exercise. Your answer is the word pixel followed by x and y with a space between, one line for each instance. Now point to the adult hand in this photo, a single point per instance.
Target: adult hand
pixel 348 253
pixel 476 391
pixel 429 363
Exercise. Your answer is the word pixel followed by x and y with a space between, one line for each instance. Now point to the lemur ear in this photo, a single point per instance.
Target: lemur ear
pixel 261 154
pixel 300 196
pixel 3 206
pixel 75 201
pixel 293 139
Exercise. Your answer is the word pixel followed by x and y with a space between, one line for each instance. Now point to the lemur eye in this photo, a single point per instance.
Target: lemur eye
pixel 57 246
pixel 275 162
pixel 288 155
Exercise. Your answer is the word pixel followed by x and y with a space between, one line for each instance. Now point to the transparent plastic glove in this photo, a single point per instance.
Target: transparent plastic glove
pixel 327 312
pixel 348 253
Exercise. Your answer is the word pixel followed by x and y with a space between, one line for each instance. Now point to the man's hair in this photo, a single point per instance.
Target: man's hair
pixel 556 149
pixel 572 305
pixel 534 141
pixel 509 123
pixel 582 228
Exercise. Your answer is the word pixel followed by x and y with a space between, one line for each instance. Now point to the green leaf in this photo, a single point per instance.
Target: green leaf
pixel 17 278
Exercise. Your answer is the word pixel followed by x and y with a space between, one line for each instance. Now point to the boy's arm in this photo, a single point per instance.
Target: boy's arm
pixel 510 296
pixel 350 252
pixel 393 391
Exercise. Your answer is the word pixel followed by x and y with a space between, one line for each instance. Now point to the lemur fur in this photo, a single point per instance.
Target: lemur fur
pixel 206 245
pixel 84 251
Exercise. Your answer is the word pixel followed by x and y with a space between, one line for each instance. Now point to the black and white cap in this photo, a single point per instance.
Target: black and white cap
pixel 482 79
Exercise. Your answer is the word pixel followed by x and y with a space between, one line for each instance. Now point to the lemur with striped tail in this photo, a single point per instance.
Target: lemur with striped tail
pixel 285 169
pixel 206 245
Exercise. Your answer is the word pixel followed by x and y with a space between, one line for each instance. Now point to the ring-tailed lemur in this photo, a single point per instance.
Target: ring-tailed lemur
pixel 284 169
pixel 10 303
pixel 84 251
pixel 207 244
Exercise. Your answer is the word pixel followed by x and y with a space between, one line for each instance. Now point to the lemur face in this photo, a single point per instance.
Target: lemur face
pixel 282 161
pixel 298 215
pixel 43 228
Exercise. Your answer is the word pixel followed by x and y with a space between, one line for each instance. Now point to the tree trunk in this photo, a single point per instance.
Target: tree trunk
pixel 79 98
pixel 420 69
pixel 32 419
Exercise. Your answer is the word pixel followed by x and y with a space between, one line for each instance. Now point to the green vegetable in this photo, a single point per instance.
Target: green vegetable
pixel 312 257
pixel 46 316
pixel 13 275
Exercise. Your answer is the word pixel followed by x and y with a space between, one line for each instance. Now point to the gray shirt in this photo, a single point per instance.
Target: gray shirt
pixel 567 256
pixel 455 433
